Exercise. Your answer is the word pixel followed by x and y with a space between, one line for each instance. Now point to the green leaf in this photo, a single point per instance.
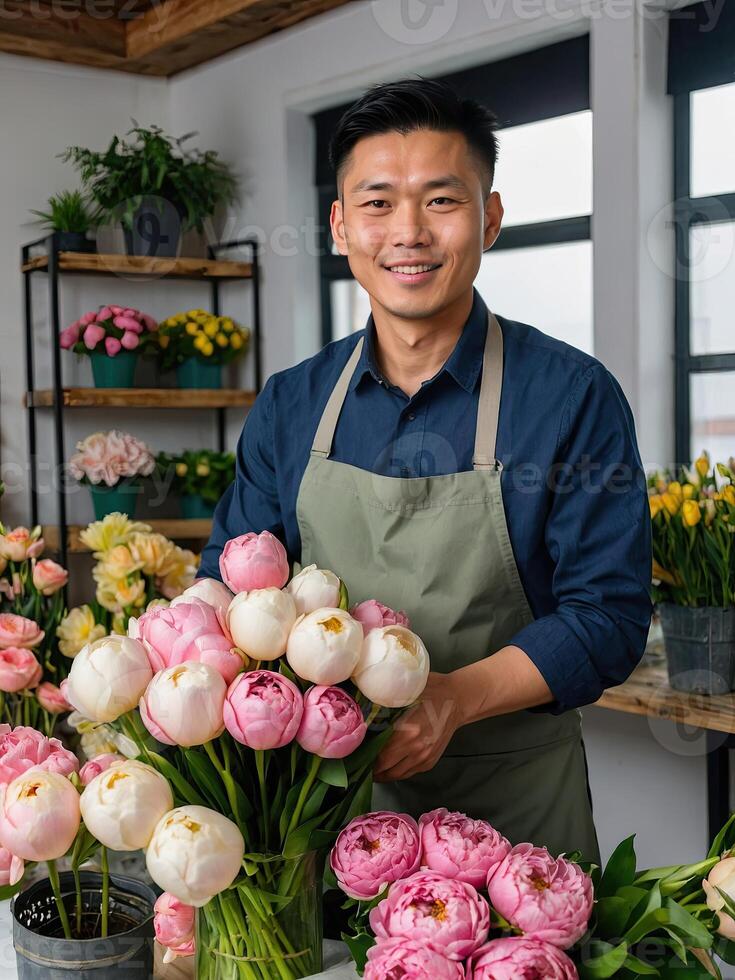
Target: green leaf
pixel 183 788
pixel 606 963
pixel 613 913
pixel 359 947
pixel 334 773
pixel 297 841
pixel 719 844
pixel 314 803
pixel 207 779
pixel 620 869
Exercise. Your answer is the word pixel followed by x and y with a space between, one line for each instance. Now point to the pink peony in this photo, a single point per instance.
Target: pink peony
pixel 23 748
pixel 49 577
pixel 86 318
pixel 517 956
pixel 69 336
pixel 254 561
pixel 373 851
pixel 458 847
pixel 263 709
pixel 90 770
pixel 51 699
pixel 211 591
pixel 39 815
pixel 550 899
pixel 19 670
pixel 449 916
pixel 409 960
pixel 109 456
pixel 332 725
pixel 186 631
pixel 174 922
pixel 93 334
pixel 129 340
pixel 17 631
pixel 112 346
pixel 11 868
pixel 372 614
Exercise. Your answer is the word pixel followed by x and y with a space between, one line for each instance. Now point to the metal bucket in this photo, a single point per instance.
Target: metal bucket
pixel 700 648
pixel 42 952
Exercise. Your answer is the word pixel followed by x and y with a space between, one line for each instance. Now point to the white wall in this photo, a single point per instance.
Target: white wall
pixel 254 105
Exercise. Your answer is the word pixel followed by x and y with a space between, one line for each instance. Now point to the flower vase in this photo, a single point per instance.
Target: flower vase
pixel 193 507
pixel 114 372
pixel 194 373
pixel 266 926
pixel 123 497
pixel 700 648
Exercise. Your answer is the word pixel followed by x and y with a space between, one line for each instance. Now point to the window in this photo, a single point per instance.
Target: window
pixel 701 69
pixel 544 177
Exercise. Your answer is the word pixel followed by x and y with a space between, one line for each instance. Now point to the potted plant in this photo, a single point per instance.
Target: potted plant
pixel 197 344
pixel 694 574
pixel 200 477
pixel 154 186
pixel 89 922
pixel 111 464
pixel 69 217
pixel 112 337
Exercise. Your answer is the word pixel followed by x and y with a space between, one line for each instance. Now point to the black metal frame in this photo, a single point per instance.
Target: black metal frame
pixel 689 212
pixel 54 273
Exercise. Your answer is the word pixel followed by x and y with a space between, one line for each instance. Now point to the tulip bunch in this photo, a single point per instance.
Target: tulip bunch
pixel 197 333
pixel 109 330
pixel 31 607
pixel 694 535
pixel 263 703
pixel 449 898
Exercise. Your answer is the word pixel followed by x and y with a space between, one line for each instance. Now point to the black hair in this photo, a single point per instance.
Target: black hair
pixel 416 103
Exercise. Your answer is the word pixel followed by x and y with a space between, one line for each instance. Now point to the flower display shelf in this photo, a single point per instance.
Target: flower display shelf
pixel 42 258
pixel 193 529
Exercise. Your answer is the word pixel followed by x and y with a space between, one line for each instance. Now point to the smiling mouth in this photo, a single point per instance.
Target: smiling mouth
pixel 413 270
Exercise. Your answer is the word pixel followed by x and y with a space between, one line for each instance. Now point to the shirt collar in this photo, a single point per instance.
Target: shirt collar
pixel 463 364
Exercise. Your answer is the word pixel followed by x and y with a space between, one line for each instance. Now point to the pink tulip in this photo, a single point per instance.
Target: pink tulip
pixel 105 313
pixel 458 847
pixel 254 561
pixel 93 334
pixel 24 748
pixel 173 922
pixel 373 614
pixel 186 631
pixel 86 318
pixel 263 709
pixel 447 915
pixel 11 868
pixel 19 670
pixel 19 544
pixel 183 705
pixel 129 340
pixel 90 770
pixel 69 336
pixel 410 960
pixel 518 956
pixel 549 899
pixel 39 816
pixel 332 725
pixel 17 631
pixel 112 346
pixel 51 699
pixel 49 577
pixel 374 851
pixel 125 322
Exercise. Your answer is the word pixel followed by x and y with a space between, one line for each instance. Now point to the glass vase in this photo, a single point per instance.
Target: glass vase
pixel 267 926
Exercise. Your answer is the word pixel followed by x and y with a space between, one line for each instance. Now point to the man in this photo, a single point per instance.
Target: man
pixel 465 468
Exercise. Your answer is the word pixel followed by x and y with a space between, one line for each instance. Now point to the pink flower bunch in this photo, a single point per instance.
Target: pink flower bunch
pixel 114 327
pixel 107 457
pixel 435 922
pixel 23 748
pixel 173 922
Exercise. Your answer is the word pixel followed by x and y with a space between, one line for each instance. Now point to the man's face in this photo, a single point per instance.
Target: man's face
pixel 414 202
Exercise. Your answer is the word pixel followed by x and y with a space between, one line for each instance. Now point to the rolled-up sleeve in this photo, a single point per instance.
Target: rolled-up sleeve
pixel 251 501
pixel 598 536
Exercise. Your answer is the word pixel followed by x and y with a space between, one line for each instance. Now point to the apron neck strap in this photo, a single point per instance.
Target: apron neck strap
pixel 488 408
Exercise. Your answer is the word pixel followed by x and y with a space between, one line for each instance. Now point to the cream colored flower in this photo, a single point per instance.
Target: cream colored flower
pixel 153 552
pixel 180 573
pixel 131 593
pixel 119 624
pixel 77 629
pixel 116 528
pixel 120 562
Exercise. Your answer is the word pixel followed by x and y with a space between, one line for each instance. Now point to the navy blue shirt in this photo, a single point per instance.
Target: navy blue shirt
pixel 573 486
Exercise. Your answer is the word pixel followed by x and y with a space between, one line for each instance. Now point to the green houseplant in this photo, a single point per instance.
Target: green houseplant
pixel 69 216
pixel 154 186
pixel 694 574
pixel 200 477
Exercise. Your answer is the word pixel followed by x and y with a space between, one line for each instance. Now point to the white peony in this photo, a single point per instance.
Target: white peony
pixel 393 667
pixel 324 646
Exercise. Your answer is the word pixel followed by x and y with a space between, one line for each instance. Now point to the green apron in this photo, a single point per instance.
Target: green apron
pixel 438 548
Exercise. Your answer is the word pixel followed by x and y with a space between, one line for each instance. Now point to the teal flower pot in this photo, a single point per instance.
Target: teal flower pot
pixel 194 373
pixel 123 497
pixel 193 507
pixel 114 372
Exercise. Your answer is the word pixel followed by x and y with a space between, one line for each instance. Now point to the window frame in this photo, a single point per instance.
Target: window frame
pixel 688 213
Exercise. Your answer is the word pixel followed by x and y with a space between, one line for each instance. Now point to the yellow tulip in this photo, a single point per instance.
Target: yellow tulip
pixel 200 342
pixel 688 491
pixel 210 328
pixel 728 494
pixel 227 325
pixel 702 465
pixel 690 513
pixel 670 502
pixel 192 329
pixel 221 340
pixel 181 469
pixel 171 322
pixel 655 503
pixel 208 349
pixel 675 490
pixel 236 341
pixel 203 469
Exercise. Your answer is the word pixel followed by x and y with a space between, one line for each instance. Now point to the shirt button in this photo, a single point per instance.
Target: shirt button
pixel 411 417
pixel 405 471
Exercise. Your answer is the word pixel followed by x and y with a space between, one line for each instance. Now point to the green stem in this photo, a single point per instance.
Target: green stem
pixel 105 892
pixel 226 780
pixel 260 765
pixel 303 795
pixel 53 876
pixel 374 712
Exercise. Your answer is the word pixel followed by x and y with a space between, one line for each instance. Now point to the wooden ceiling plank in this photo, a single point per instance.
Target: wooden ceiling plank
pixel 87 36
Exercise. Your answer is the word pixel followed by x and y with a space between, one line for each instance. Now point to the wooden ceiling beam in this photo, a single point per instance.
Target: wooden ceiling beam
pixel 47 26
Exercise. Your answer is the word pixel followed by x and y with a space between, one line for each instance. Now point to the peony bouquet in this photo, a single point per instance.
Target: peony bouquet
pixel 263 703
pixel 31 607
pixel 108 457
pixel 449 898
pixel 108 331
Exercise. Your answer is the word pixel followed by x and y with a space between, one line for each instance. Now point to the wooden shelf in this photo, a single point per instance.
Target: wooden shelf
pixel 89 263
pixel 142 398
pixel 176 530
pixel 648 692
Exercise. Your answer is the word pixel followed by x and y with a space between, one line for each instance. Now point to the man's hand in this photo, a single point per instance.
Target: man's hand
pixel 423 733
